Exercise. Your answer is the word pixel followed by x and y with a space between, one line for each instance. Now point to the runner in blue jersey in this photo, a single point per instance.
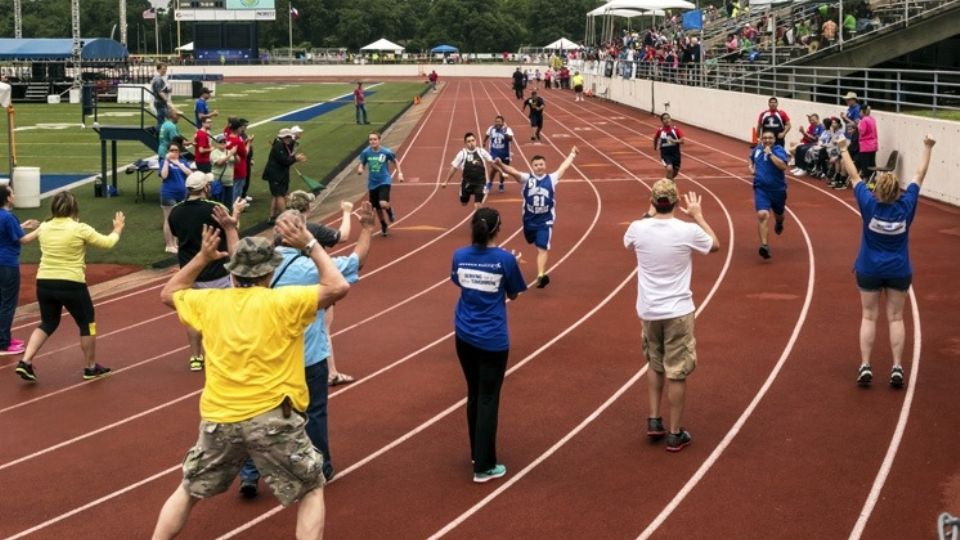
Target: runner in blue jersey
pixel 376 159
pixel 499 137
pixel 767 163
pixel 883 263
pixel 539 206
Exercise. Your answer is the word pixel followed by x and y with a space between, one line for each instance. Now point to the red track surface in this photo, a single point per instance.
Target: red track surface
pixel 785 444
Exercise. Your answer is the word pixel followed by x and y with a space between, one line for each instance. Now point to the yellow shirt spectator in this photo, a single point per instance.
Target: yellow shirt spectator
pixel 577 80
pixel 63 243
pixel 253 338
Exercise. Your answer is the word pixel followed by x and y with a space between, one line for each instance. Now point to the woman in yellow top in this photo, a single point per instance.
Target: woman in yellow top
pixel 61 281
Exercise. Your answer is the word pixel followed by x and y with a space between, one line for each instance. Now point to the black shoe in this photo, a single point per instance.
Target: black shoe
pixel 543 281
pixel 328 474
pixel 533 138
pixel 778 227
pixel 248 489
pixel 678 441
pixel 655 429
pixel 95 372
pixel 765 251
pixel 391 215
pixel 865 376
pixel 896 377
pixel 25 371
pixel 383 229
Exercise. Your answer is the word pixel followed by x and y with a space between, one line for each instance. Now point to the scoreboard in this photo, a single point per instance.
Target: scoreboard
pixel 225 10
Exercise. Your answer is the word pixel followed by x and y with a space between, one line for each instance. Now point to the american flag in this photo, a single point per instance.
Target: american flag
pixel 150 13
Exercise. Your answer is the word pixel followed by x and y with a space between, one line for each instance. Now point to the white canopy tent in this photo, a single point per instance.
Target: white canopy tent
pixel 628 9
pixel 646 5
pixel 383 44
pixel 185 48
pixel 622 12
pixel 563 44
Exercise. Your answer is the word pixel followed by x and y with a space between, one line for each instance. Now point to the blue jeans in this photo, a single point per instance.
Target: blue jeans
pixel 226 197
pixel 9 294
pixel 362 109
pixel 237 189
pixel 161 116
pixel 316 422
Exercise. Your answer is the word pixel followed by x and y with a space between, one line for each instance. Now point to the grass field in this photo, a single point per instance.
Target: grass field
pixel 942 115
pixel 327 140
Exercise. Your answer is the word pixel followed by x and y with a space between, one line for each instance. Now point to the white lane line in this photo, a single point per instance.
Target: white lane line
pixel 904 416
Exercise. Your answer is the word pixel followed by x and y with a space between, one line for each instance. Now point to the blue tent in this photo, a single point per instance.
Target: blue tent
pixel 444 49
pixel 93 49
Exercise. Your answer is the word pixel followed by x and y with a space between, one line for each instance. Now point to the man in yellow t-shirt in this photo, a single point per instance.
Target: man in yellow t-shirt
pixel 255 392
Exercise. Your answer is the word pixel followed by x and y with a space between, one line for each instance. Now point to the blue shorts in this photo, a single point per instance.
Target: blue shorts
pixel 539 236
pixel 166 200
pixel 875 284
pixel 670 159
pixel 770 200
pixel 502 156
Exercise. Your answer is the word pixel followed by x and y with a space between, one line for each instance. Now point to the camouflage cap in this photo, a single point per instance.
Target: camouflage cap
pixel 255 257
pixel 664 193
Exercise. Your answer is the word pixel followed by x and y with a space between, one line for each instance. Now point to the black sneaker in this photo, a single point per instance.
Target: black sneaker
pixel 25 371
pixel 655 429
pixel 95 372
pixel 533 138
pixel 778 228
pixel 543 281
pixel 765 251
pixel 865 376
pixel 391 215
pixel 678 441
pixel 896 377
pixel 248 489
pixel 383 229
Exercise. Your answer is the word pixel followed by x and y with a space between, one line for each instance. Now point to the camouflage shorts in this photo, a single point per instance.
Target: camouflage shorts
pixel 279 447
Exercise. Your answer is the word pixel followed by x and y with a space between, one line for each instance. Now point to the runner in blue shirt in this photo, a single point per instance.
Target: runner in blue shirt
pixel 297 269
pixel 376 159
pixel 539 210
pixel 767 163
pixel 500 136
pixel 883 263
pixel 487 275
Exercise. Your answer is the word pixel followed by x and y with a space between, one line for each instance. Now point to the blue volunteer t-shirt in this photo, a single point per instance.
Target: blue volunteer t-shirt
pixel 378 170
pixel 302 271
pixel 539 209
pixel 853 112
pixel 175 185
pixel 200 108
pixel 10 235
pixel 485 277
pixel 768 177
pixel 886 231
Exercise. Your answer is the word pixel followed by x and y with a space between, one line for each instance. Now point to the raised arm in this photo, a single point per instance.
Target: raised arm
pixel 230 223
pixel 566 164
pixel 92 237
pixel 333 286
pixel 509 170
pixel 921 173
pixel 346 207
pixel 694 210
pixel 852 173
pixel 368 224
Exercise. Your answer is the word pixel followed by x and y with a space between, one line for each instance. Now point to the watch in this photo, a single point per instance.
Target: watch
pixel 309 247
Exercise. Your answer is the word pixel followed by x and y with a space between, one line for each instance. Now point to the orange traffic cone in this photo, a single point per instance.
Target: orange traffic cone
pixel 416 100
pixel 754 136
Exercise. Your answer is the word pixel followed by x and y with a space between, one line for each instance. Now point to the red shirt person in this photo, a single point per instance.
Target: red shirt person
pixel 775 121
pixel 359 101
pixel 201 146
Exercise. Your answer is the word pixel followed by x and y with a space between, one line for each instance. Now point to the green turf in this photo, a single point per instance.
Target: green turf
pixel 942 115
pixel 327 140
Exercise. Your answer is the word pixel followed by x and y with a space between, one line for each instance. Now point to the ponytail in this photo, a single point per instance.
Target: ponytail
pixel 484 226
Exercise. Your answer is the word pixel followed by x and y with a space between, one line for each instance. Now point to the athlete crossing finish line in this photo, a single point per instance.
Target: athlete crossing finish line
pixel 539 209
pixel 377 160
pixel 474 162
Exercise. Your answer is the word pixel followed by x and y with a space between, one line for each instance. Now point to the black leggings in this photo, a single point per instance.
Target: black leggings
pixel 484 371
pixel 55 294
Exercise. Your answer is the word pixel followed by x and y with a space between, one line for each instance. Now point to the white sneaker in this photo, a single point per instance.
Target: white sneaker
pixel 248 199
pixel 795 170
pixel 800 172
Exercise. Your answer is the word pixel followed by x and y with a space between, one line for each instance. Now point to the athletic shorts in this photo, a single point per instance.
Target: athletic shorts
pixel 578 88
pixel 770 200
pixel 875 284
pixel 538 236
pixel 279 189
pixel 468 190
pixel 504 158
pixel 670 159
pixel 670 346
pixel 278 446
pixel 378 194
pixel 169 201
pixel 536 120
pixel 205 167
pixel 219 283
pixel 53 295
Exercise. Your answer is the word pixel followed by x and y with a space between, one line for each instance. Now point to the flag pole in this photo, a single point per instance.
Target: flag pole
pixel 290 28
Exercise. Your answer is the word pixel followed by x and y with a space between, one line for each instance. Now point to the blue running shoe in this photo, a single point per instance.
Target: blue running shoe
pixel 497 472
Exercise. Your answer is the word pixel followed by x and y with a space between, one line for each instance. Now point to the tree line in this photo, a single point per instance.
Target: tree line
pixel 472 25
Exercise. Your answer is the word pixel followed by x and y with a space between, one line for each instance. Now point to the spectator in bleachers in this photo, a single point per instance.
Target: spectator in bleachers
pixel 852 114
pixel 867 156
pixel 849 25
pixel 852 135
pixel 828 32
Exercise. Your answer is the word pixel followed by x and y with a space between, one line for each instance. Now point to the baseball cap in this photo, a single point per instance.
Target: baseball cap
pixel 284 133
pixel 221 138
pixel 254 257
pixel 664 193
pixel 198 180
pixel 296 130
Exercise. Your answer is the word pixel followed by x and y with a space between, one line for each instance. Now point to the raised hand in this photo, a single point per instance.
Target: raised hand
pixel 119 221
pixel 842 144
pixel 223 218
pixel 346 206
pixel 928 140
pixel 368 219
pixel 294 234
pixel 692 208
pixel 210 244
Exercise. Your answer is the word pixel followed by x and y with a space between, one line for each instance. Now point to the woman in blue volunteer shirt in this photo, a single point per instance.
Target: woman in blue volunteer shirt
pixel 174 171
pixel 11 238
pixel 487 275
pixel 883 263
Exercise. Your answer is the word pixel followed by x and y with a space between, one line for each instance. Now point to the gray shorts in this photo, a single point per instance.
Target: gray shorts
pixel 219 283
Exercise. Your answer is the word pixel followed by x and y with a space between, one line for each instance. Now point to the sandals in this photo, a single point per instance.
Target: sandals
pixel 865 376
pixel 338 379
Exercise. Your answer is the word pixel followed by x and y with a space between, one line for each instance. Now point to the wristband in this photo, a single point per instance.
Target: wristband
pixel 309 247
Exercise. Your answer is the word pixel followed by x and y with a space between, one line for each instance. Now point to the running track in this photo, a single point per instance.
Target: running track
pixel 784 443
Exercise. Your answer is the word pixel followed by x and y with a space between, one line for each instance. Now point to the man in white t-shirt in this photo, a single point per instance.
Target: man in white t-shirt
pixel 663 245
